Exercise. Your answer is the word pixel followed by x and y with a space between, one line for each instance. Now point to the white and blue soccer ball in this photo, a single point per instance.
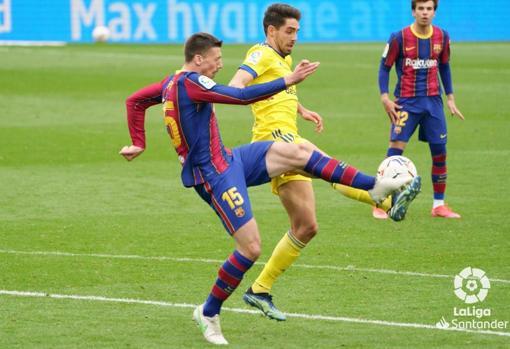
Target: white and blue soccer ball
pixel 101 34
pixel 396 166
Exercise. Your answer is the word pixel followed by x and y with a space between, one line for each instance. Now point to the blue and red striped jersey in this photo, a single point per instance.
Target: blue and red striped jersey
pixel 418 61
pixel 191 121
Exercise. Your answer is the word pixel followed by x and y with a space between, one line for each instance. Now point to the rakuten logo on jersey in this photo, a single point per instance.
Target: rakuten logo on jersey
pixel 421 63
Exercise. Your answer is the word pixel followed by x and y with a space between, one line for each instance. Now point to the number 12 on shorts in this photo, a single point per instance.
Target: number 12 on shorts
pixel 233 198
pixel 402 118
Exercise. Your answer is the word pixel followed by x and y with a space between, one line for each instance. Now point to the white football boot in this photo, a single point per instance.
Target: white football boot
pixel 385 186
pixel 210 326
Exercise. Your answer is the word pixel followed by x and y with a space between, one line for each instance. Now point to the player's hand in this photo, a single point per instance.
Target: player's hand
pixel 392 108
pixel 301 72
pixel 313 117
pixel 453 107
pixel 129 152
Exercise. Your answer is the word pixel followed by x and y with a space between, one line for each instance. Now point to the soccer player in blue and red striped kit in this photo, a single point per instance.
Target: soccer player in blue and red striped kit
pixel 221 176
pixel 421 54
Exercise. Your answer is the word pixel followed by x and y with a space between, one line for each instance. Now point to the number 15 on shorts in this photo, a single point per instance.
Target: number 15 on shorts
pixel 233 198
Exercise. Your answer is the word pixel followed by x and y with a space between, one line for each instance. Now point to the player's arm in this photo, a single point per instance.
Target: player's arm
pixel 389 57
pixel 256 63
pixel 446 78
pixel 202 89
pixel 312 116
pixel 136 105
pixel 241 78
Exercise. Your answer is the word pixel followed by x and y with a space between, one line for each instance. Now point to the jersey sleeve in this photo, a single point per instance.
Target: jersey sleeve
pixel 257 61
pixel 389 57
pixel 136 104
pixel 384 78
pixel 444 65
pixel 445 54
pixel 391 51
pixel 202 89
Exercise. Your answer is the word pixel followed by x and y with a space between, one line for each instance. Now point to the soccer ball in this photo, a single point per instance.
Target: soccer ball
pixel 101 34
pixel 396 166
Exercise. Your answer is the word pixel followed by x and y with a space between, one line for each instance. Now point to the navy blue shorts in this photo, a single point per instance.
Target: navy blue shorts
pixel 227 193
pixel 428 113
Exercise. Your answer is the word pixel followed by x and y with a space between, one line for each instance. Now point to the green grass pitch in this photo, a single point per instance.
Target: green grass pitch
pixel 63 188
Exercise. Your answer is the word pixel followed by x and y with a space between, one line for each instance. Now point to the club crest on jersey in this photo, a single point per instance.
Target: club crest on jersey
pixel 239 212
pixel 437 48
pixel 254 57
pixel 206 82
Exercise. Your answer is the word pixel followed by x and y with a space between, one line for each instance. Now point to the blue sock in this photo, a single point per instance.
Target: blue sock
pixel 335 171
pixel 229 276
pixel 394 151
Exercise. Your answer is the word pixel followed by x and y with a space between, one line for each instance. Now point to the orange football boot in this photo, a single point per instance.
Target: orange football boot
pixel 444 212
pixel 379 213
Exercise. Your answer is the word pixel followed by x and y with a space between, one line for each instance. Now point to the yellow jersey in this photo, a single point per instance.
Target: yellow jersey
pixel 278 112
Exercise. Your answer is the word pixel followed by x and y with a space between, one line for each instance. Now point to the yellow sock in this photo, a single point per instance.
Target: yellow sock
pixel 284 254
pixel 361 195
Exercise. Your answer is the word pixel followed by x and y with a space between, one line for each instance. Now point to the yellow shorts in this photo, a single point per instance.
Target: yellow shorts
pixel 278 135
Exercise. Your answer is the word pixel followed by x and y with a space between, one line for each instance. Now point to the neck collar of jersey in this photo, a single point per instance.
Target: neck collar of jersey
pixel 275 50
pixel 423 36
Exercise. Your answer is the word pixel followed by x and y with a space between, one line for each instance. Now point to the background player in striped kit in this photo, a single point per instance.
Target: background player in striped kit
pixel 421 54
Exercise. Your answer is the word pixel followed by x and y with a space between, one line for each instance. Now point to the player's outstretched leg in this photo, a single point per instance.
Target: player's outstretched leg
pixel 284 157
pixel 336 171
pixel 209 325
pixel 378 211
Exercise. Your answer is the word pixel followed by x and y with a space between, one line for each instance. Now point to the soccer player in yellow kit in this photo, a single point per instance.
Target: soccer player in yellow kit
pixel 275 120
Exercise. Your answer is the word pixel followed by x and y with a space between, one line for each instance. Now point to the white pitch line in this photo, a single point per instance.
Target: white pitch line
pixel 245 311
pixel 219 261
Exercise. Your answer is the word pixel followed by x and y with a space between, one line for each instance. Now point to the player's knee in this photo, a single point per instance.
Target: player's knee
pixel 253 250
pixel 303 152
pixel 438 149
pixel 311 229
pixel 307 231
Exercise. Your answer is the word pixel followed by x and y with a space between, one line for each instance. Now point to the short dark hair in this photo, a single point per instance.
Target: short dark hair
pixel 413 3
pixel 198 44
pixel 276 14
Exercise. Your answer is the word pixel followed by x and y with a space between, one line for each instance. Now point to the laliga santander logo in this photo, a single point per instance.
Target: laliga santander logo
pixel 471 285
